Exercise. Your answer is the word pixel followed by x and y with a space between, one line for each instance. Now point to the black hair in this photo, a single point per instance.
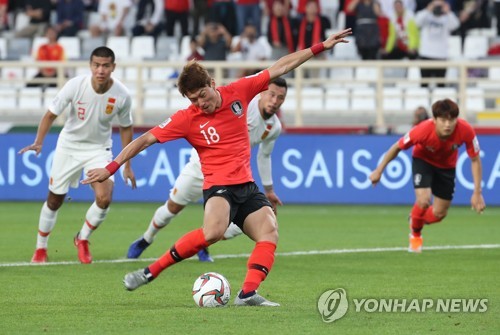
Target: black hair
pixel 281 82
pixel 445 108
pixel 103 52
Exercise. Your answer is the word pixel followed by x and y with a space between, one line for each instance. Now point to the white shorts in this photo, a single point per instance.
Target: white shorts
pixel 188 186
pixel 67 167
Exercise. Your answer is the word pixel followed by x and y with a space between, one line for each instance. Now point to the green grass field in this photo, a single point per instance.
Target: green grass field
pixel 70 298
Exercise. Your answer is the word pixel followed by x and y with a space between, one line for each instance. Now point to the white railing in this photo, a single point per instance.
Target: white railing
pixel 378 93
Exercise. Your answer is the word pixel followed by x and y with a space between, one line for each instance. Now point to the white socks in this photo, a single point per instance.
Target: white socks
pixel 161 218
pixel 232 231
pixel 46 223
pixel 95 216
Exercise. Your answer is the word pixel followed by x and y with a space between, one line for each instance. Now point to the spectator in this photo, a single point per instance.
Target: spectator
pixel 419 115
pixel 215 40
pixel 176 11
pixel 367 30
pixel 195 54
pixel 403 36
pixel 251 48
pixel 4 18
pixel 436 23
pixel 50 51
pixel 200 11
pixel 224 12
pixel 113 14
pixel 282 31
pixel 248 12
pixel 350 15
pixel 39 13
pixel 473 14
pixel 69 17
pixel 148 18
pixel 388 9
pixel 301 7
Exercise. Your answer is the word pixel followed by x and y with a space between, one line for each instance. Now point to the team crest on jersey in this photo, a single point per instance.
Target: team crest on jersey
pixel 429 148
pixel 110 105
pixel 237 108
pixel 164 123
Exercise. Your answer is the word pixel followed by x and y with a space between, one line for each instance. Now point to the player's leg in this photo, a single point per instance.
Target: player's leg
pixel 215 220
pixel 65 171
pixel 443 187
pixel 187 188
pixel 260 224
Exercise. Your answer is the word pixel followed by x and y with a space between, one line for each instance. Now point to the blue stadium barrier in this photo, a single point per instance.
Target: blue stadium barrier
pixel 326 169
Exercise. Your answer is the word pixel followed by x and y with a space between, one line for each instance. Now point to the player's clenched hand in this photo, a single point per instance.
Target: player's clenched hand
pixel 375 177
pixel 37 148
pixel 96 175
pixel 477 202
pixel 339 37
pixel 128 174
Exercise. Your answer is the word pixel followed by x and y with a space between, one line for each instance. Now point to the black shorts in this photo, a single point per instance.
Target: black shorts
pixel 441 181
pixel 243 199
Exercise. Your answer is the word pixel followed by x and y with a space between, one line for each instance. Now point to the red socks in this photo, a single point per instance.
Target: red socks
pixel 420 216
pixel 185 247
pixel 259 265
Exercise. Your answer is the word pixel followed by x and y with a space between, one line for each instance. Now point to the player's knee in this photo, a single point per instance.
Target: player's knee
pixel 103 201
pixel 423 202
pixel 440 214
pixel 213 234
pixel 174 207
pixel 54 204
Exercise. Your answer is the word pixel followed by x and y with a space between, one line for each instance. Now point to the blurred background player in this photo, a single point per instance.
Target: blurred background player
pixel 419 115
pixel 435 157
pixel 84 143
pixel 264 128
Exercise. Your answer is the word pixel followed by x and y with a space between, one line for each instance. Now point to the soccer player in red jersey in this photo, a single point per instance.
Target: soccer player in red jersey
pixel 215 124
pixel 436 142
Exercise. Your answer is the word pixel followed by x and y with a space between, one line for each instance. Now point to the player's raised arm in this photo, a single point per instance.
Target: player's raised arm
pixel 43 128
pixel 289 62
pixel 130 151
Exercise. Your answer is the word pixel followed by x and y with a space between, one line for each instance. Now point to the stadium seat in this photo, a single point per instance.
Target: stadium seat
pixel 440 93
pixel 337 99
pixel 290 104
pixel 175 100
pixel 142 47
pixel 167 48
pixel 120 45
pixel 475 46
pixel 416 97
pixel 13 75
pixel 155 99
pixel 363 100
pixel 31 98
pixel 455 47
pixel 48 95
pixel 18 47
pixel 72 48
pixel 8 96
pixel 392 99
pixel 185 48
pixel 474 99
pixel 348 51
pixel 312 99
pixel 3 48
pixel 89 44
pixel 365 76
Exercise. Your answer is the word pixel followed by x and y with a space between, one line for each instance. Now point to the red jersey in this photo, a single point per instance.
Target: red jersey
pixel 221 138
pixel 440 153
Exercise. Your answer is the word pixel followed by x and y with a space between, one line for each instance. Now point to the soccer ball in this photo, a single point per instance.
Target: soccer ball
pixel 211 289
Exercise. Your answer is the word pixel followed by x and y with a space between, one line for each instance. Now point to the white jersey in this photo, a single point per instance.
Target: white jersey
pixel 89 121
pixel 263 133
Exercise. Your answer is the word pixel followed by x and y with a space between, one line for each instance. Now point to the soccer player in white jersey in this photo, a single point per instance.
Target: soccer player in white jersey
pixel 84 143
pixel 264 127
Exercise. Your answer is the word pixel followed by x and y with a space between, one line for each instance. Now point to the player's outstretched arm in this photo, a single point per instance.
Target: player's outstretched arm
pixel 389 156
pixel 477 200
pixel 289 62
pixel 43 128
pixel 130 151
pixel 126 135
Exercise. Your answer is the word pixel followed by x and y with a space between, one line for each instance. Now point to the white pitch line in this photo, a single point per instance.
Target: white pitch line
pixel 279 254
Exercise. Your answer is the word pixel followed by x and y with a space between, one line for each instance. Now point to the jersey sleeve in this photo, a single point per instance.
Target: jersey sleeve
pixel 408 140
pixel 252 85
pixel 471 141
pixel 125 114
pixel 175 127
pixel 63 98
